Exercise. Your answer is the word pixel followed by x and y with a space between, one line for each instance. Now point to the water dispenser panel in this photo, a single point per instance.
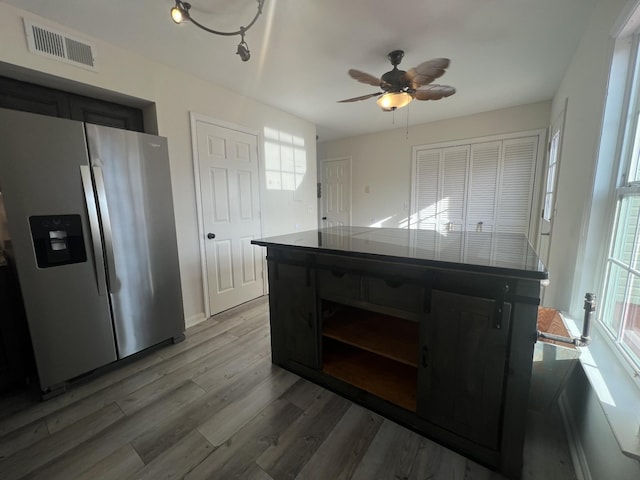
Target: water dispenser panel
pixel 57 240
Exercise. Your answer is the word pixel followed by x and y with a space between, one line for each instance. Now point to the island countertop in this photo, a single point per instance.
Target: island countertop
pixel 482 252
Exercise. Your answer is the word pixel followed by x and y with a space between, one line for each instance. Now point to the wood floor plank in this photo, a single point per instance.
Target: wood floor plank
pixel 250 323
pixel 339 455
pixel 96 449
pixel 230 318
pixel 120 464
pixel 27 460
pixel 192 340
pixel 14 401
pixel 22 438
pixel 127 386
pixel 233 417
pixel 254 472
pixel 396 452
pixel 302 439
pixel 227 368
pixel 34 409
pixel 149 392
pixel 237 456
pixel 152 443
pixel 445 463
pixel 177 462
pixel 546 451
pixel 303 393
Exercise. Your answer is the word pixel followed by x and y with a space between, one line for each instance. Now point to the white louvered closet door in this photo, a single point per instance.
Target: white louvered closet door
pixel 484 168
pixel 486 185
pixel 516 185
pixel 452 201
pixel 452 204
pixel 427 180
pixel 440 196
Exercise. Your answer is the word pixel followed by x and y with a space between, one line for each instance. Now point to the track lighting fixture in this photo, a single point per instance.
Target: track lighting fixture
pixel 180 13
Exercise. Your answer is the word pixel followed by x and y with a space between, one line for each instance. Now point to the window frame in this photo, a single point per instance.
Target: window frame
pixel 627 160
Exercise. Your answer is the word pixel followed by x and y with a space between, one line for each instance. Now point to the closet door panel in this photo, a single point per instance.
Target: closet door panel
pixel 483 185
pixel 452 204
pixel 426 196
pixel 516 184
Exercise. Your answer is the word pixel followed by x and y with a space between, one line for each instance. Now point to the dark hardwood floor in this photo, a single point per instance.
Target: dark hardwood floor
pixel 215 407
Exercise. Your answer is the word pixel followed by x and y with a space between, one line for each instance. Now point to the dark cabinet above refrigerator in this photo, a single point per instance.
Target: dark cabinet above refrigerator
pixel 28 97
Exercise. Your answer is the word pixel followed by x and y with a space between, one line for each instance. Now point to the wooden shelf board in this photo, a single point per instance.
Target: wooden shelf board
pixel 384 335
pixel 384 378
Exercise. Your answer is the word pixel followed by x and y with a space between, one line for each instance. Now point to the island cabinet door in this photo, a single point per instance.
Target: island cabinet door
pixel 293 312
pixel 461 375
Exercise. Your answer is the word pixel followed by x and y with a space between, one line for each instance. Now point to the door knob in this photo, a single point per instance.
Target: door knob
pixel 211 236
pixel 324 218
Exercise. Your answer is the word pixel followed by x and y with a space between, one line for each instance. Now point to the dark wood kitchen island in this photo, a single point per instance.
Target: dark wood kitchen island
pixel 434 331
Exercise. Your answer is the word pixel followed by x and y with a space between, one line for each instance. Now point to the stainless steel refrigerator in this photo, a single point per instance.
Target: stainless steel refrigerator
pixel 92 235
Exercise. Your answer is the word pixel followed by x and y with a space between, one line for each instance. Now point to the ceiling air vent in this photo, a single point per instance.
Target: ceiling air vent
pixel 54 44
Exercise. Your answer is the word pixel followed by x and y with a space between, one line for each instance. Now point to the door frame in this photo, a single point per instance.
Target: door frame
pixel 321 181
pixel 194 118
pixel 559 121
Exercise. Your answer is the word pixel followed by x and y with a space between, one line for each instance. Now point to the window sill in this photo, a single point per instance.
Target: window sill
pixel 619 395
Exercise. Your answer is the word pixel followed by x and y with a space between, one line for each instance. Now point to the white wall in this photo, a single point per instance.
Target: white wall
pixel 174 94
pixel 383 160
pixel 584 85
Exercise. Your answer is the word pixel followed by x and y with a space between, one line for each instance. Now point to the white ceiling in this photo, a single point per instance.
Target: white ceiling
pixel 503 52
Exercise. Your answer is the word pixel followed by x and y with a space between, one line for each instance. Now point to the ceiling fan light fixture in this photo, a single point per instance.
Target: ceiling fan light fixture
pixel 393 100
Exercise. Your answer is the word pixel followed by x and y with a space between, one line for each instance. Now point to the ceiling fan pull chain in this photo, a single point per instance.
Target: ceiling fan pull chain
pixel 406 135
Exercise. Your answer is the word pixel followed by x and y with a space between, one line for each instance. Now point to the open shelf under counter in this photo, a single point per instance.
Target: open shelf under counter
pixel 380 376
pixel 390 337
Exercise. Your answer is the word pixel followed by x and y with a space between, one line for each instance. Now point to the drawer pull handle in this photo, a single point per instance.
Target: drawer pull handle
pixel 393 283
pixel 425 356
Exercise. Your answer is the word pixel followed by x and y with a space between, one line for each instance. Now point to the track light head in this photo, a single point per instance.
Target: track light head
pixel 180 12
pixel 243 51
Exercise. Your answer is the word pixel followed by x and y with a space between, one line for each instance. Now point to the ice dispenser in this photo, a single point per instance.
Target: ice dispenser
pixel 57 240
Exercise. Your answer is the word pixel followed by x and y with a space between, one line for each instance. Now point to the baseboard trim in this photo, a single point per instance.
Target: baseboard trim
pixel 194 320
pixel 578 457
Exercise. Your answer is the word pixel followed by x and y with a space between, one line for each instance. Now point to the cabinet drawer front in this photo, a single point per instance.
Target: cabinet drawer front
pixel 395 294
pixel 338 283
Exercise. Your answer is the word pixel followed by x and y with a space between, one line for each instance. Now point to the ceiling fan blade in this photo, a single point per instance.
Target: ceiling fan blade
pixel 434 92
pixel 365 78
pixel 363 97
pixel 426 72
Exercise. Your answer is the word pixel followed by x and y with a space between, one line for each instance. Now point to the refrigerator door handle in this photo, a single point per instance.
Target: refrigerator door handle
pixel 94 227
pixel 112 278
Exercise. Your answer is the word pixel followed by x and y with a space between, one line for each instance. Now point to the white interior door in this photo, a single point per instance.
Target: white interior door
pixel 229 189
pixel 335 204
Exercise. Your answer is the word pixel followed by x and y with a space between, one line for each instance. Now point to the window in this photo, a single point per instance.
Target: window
pixel 285 160
pixel 620 311
pixel 551 177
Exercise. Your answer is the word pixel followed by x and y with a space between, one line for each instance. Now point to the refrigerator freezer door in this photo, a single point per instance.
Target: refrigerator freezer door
pixel 40 180
pixel 133 186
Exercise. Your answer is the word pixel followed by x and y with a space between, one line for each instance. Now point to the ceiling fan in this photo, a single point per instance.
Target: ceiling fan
pixel 400 87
